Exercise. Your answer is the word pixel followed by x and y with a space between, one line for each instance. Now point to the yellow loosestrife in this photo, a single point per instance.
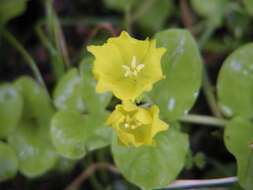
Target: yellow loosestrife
pixel 135 125
pixel 127 67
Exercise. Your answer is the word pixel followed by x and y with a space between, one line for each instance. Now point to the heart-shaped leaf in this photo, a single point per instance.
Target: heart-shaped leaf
pixel 235 83
pixel 35 155
pixel 182 67
pixel 11 104
pixel 239 139
pixel 8 162
pixel 156 166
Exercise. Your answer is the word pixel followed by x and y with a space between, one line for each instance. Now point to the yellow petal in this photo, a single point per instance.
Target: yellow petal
pixel 135 125
pixel 126 66
pixel 158 125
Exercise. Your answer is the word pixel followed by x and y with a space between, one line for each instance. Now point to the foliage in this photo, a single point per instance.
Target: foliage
pixel 132 97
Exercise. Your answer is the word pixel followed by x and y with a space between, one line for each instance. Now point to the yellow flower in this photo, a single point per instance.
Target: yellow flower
pixel 127 66
pixel 136 125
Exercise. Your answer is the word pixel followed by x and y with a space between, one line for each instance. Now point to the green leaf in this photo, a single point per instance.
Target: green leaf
pixel 238 137
pixel 238 22
pixel 213 10
pixel 35 154
pixel 156 166
pixel 182 67
pixel 65 165
pixel 152 14
pixel 8 162
pixel 68 133
pixel 249 6
pixel 11 104
pixel 99 135
pixel 37 105
pixel 68 95
pixel 235 83
pixel 76 92
pixel 96 103
pixel 73 133
pixel 10 9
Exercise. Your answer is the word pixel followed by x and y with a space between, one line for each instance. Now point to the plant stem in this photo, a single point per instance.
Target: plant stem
pixel 206 35
pixel 207 86
pixel 204 120
pixel 187 184
pixel 58 41
pixel 178 184
pixel 44 40
pixel 29 60
pixel 209 94
pixel 88 172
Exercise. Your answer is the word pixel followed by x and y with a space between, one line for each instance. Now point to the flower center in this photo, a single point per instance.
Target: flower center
pixel 130 123
pixel 133 69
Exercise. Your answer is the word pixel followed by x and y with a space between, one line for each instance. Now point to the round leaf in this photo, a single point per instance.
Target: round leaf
pixel 8 162
pixel 153 166
pixel 76 92
pixel 235 83
pixel 182 67
pixel 99 135
pixel 67 94
pixel 73 133
pixel 36 101
pixel 35 155
pixel 11 104
pixel 96 103
pixel 65 165
pixel 238 138
pixel 69 134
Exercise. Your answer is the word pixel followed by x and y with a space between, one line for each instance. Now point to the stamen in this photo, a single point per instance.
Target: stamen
pixel 133 64
pixel 133 69
pixel 126 125
pixel 133 126
pixel 140 67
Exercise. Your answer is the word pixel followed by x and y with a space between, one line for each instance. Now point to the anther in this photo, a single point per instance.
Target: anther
pixel 133 69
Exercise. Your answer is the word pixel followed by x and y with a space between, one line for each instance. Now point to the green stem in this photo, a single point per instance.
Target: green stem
pixel 207 86
pixel 206 35
pixel 209 94
pixel 204 120
pixel 61 58
pixel 29 60
pixel 44 40
pixel 128 21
